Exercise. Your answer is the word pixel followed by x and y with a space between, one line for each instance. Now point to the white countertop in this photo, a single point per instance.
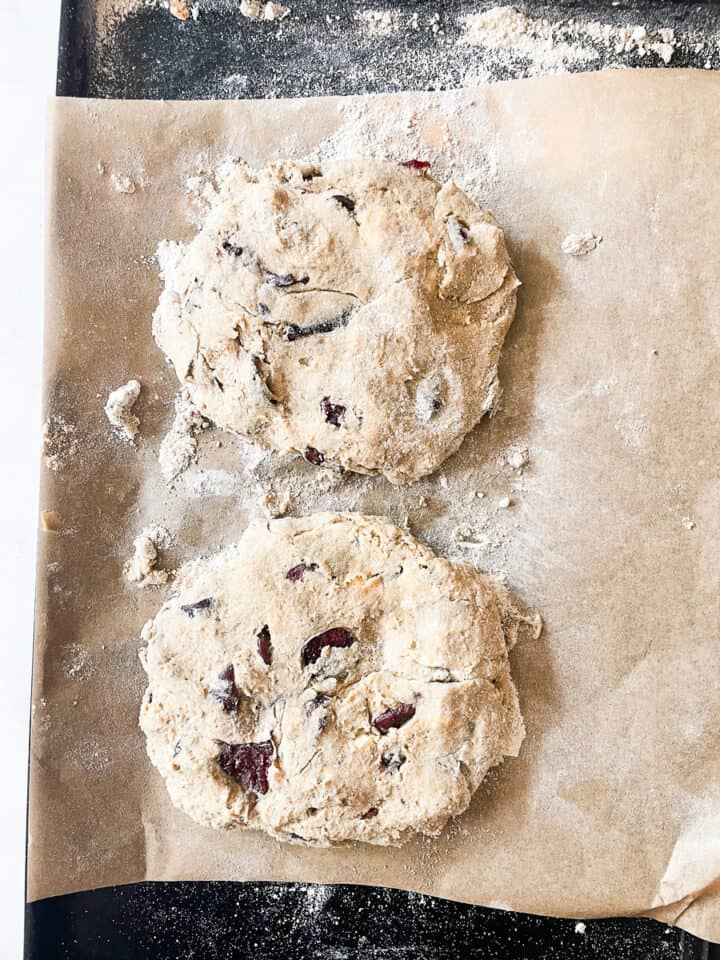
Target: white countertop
pixel 28 51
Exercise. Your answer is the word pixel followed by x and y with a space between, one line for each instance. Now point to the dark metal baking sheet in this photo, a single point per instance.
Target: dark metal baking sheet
pixel 270 921
pixel 149 55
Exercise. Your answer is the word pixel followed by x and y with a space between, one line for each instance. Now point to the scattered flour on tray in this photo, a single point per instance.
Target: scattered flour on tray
pixel 59 442
pixel 142 568
pixel 553 46
pixel 378 23
pixel 76 662
pixel 121 183
pixel 198 484
pixel 118 409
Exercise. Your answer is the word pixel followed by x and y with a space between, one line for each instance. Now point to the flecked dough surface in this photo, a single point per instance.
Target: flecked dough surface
pixel 329 678
pixel 352 313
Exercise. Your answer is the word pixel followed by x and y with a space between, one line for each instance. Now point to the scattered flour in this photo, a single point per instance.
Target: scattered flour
pixel 89 756
pixel 580 244
pixel 59 442
pixel 142 567
pixel 179 447
pixel 76 662
pixel 210 483
pixel 118 409
pixel 507 29
pixel 688 523
pixel 554 46
pixel 121 183
pixel 378 23
pixel 256 10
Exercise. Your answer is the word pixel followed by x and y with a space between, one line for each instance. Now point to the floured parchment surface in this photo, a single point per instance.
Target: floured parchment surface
pixel 594 490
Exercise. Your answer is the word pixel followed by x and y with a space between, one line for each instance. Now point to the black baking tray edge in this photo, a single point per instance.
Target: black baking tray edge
pixel 148 55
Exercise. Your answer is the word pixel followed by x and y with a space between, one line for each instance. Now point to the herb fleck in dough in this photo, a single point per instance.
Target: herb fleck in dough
pixel 353 314
pixel 329 678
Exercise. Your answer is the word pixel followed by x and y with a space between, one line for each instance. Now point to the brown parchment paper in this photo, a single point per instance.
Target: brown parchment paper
pixel 611 379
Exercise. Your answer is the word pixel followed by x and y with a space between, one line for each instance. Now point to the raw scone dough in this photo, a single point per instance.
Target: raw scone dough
pixel 329 678
pixel 353 314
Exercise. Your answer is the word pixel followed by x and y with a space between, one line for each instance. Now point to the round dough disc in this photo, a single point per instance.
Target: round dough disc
pixel 353 314
pixel 329 678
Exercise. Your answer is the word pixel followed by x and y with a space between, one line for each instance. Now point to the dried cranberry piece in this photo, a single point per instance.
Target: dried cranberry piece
pixel 314 456
pixel 392 762
pixel 232 249
pixel 284 279
pixel 298 571
pixel 263 309
pixel 334 637
pixel 192 608
pixel 334 412
pixel 415 164
pixel 246 763
pixel 344 201
pixel 369 814
pixel 264 645
pixel 225 691
pixel 394 717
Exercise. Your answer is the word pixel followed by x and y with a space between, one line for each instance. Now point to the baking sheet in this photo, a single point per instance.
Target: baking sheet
pixel 611 381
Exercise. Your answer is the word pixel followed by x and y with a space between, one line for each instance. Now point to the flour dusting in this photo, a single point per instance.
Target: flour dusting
pixel 59 442
pixel 547 46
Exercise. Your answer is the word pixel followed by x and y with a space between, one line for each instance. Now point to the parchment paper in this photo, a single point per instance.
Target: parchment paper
pixel 611 381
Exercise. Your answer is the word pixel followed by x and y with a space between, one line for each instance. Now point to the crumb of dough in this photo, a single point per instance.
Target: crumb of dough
pixel 688 523
pixel 51 521
pixel 58 442
pixel 537 626
pixel 518 458
pixel 580 244
pixel 122 183
pixel 255 10
pixel 179 447
pixel 275 503
pixel 504 503
pixel 142 567
pixel 179 9
pixel 580 927
pixel 118 409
